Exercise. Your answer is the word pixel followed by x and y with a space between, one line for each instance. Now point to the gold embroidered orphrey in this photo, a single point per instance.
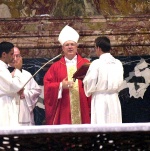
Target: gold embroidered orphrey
pixel 74 97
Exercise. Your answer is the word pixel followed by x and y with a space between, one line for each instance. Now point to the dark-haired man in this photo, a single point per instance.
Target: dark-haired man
pixel 102 81
pixel 9 85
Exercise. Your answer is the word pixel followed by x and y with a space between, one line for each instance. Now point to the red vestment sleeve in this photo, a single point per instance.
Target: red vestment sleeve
pixel 50 96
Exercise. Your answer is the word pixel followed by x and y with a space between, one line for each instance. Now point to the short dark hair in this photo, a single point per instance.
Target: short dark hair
pixel 103 43
pixel 5 47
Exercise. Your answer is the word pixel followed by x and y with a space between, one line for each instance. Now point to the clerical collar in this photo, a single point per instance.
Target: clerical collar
pixel 72 61
pixel 11 69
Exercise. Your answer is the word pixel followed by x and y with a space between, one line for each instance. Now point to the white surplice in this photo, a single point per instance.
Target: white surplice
pixel 8 89
pixel 25 106
pixel 103 80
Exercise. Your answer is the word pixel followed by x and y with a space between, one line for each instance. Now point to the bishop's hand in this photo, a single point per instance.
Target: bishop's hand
pixel 67 84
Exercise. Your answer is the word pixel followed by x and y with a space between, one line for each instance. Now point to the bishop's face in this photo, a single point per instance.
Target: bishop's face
pixel 70 49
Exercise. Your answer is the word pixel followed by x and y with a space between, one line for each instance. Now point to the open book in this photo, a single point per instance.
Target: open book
pixel 81 72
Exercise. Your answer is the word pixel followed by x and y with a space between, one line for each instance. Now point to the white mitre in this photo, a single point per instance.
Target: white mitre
pixel 68 33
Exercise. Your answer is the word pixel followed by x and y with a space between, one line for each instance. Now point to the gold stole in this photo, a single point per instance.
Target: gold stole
pixel 74 97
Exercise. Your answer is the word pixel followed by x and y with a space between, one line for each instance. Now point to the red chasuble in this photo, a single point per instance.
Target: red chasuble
pixel 58 110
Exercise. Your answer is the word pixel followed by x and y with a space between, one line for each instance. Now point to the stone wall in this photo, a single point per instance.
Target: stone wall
pixel 37 37
pixel 34 25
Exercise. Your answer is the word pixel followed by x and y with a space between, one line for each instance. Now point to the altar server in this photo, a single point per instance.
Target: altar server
pixel 102 81
pixel 9 85
pixel 27 98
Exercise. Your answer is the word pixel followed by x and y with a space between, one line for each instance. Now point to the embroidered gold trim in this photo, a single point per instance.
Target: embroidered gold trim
pixel 74 97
